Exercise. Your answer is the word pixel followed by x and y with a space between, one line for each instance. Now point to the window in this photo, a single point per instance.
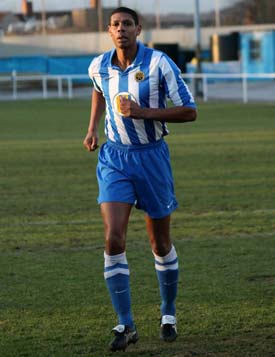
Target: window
pixel 255 49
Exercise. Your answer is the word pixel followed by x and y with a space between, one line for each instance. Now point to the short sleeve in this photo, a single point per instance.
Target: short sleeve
pixel 94 74
pixel 173 83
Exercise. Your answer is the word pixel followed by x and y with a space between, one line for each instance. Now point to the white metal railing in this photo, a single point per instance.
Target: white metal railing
pixel 243 78
pixel 240 86
pixel 14 80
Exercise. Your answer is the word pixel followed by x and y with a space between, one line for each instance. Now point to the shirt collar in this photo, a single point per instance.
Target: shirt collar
pixel 138 59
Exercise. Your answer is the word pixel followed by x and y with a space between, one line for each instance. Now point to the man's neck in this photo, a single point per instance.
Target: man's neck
pixel 123 58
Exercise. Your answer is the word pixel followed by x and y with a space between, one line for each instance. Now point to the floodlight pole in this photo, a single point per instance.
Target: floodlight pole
pixel 100 16
pixel 43 17
pixel 217 13
pixel 158 26
pixel 198 81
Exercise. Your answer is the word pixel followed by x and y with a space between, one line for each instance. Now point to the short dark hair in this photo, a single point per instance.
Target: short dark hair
pixel 127 10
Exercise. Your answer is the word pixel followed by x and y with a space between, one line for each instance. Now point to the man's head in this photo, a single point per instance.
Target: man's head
pixel 124 27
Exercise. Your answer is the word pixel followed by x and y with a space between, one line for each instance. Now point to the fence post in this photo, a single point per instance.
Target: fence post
pixel 192 84
pixel 70 87
pixel 44 86
pixel 244 81
pixel 204 88
pixel 14 84
pixel 60 88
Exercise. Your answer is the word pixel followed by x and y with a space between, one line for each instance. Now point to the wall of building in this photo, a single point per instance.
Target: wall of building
pixel 59 44
pixel 92 42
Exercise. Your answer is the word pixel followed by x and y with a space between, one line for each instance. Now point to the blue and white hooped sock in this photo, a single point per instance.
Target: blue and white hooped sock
pixel 167 272
pixel 116 274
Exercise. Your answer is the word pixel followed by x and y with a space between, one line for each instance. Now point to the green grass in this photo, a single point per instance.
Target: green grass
pixel 53 300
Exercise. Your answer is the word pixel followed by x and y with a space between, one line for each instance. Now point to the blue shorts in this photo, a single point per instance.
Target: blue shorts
pixel 137 174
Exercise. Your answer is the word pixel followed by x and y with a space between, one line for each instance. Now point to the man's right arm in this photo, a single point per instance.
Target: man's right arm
pixel 97 108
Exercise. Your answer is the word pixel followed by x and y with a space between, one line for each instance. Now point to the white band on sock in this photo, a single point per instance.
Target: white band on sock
pixel 110 260
pixel 162 263
pixel 115 264
pixel 172 255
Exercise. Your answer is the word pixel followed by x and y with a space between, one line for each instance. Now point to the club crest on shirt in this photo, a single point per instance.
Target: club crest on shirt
pixel 116 100
pixel 139 76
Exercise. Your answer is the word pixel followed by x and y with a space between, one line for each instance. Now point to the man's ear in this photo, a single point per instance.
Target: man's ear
pixel 139 28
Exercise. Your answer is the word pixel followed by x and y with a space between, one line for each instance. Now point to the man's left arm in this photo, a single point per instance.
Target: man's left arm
pixel 176 114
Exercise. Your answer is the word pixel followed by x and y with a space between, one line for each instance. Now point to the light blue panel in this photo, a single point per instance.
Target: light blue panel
pixel 47 65
pixel 36 64
pixel 266 62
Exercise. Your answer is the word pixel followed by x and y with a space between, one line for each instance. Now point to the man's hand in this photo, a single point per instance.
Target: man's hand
pixel 129 108
pixel 91 141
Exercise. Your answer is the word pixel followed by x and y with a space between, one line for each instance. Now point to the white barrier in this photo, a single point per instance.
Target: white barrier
pixel 261 93
pixel 240 87
pixel 14 81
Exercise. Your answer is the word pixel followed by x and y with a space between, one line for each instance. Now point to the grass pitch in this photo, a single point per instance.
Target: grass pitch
pixel 53 300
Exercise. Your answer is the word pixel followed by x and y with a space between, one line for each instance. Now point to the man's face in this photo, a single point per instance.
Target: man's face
pixel 123 30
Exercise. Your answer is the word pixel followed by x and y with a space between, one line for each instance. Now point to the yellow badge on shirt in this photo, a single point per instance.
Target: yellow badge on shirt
pixel 139 76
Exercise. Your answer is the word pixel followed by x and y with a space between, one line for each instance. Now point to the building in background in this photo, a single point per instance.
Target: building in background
pixel 67 41
pixel 258 52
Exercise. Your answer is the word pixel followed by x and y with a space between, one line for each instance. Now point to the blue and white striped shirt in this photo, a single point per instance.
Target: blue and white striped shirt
pixel 151 78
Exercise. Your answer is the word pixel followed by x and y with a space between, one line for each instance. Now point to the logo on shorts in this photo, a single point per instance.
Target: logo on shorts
pixel 116 100
pixel 139 76
pixel 170 204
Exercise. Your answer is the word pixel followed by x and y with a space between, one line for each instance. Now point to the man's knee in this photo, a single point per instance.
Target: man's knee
pixel 114 242
pixel 161 247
